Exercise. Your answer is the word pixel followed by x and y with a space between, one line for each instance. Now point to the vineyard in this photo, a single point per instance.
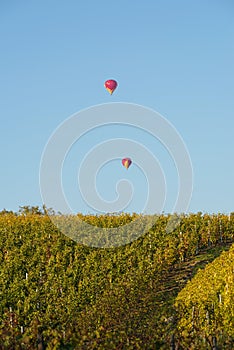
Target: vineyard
pixel 161 291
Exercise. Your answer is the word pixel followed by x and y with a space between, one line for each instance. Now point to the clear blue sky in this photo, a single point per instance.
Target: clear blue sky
pixel 176 57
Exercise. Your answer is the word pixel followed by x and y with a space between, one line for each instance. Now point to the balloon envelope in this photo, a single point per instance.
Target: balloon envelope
pixel 126 162
pixel 111 85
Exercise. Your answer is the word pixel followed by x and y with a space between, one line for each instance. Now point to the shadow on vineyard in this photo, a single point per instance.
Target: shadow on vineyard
pixel 162 291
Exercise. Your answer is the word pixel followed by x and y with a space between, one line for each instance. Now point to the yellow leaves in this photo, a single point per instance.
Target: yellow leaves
pixel 211 295
pixel 107 298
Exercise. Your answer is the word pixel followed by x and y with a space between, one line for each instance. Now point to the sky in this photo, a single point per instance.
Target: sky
pixel 173 57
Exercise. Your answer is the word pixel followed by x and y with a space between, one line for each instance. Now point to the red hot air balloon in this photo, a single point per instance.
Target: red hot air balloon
pixel 111 85
pixel 126 162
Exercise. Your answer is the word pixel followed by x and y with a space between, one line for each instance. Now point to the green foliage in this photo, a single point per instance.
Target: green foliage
pixel 64 295
pixel 206 305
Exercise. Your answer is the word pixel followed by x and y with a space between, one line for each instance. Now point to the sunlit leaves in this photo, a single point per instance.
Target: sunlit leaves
pixel 205 307
pixel 68 295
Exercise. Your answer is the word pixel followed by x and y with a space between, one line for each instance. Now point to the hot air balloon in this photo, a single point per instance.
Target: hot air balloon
pixel 110 85
pixel 126 162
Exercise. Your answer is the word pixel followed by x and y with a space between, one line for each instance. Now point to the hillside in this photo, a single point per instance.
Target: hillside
pixel 205 307
pixel 58 294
